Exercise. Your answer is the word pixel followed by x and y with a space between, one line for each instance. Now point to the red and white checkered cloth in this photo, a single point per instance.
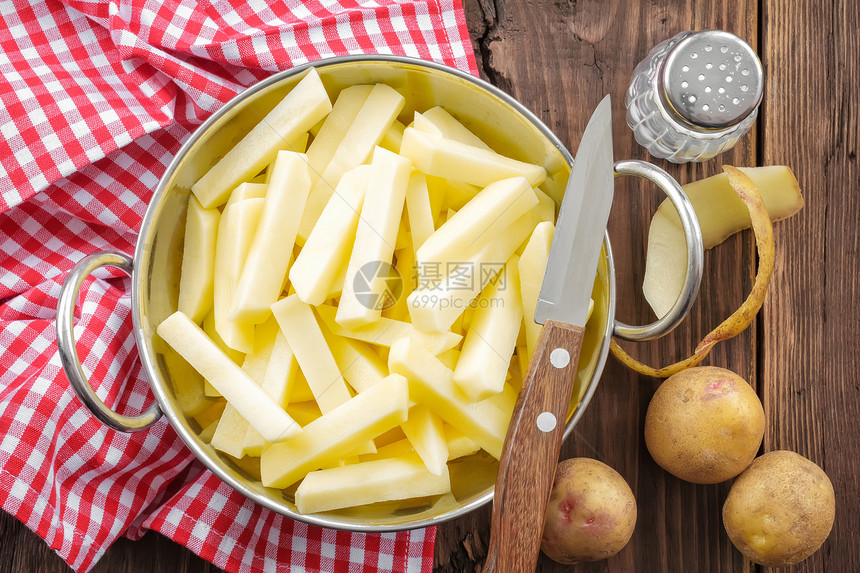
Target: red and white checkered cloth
pixel 95 98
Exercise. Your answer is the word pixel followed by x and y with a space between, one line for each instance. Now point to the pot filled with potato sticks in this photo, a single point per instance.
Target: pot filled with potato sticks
pixel 334 287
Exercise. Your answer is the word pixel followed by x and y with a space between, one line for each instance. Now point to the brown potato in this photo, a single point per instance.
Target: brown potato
pixel 704 425
pixel 780 510
pixel 591 512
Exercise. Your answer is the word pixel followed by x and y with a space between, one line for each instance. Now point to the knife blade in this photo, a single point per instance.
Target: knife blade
pixel 528 461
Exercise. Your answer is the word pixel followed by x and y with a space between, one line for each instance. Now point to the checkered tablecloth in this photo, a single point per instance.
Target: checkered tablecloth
pixel 95 98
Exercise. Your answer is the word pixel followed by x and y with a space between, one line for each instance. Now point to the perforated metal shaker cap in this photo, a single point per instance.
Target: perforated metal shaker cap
pixel 711 79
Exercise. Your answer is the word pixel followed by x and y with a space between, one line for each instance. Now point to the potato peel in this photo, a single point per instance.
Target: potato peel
pixel 743 316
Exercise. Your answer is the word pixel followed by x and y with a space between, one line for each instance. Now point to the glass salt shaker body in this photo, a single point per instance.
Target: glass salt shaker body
pixel 694 95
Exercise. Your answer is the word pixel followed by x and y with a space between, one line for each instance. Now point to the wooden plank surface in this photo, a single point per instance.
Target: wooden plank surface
pixel 559 57
pixel 809 352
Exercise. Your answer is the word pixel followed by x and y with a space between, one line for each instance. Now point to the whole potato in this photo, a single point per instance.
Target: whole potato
pixel 780 510
pixel 591 512
pixel 704 425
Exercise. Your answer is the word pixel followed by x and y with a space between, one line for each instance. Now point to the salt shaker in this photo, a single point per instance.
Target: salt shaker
pixel 694 95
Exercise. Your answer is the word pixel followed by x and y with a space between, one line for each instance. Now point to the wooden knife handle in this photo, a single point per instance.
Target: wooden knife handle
pixel 530 454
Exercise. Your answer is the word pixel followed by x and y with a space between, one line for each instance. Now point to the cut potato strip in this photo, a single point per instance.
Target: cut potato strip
pixel 361 367
pixel 282 370
pixel 206 433
pixel 546 207
pixel 336 433
pixel 366 288
pixel 209 328
pixel 418 209
pixel 229 436
pixel 421 123
pixel 424 431
pixel 373 120
pixel 532 266
pixel 482 219
pixel 326 251
pixel 304 336
pixel 198 260
pixel 405 267
pixel 265 268
pixel 301 390
pixel 459 444
pixel 449 357
pixel 489 345
pixel 235 234
pixel 305 105
pixel 246 191
pixel 434 305
pixel 437 189
pixel 235 385
pixel 448 194
pixel 386 331
pixel 369 482
pixel 442 157
pixel 335 126
pixel 211 414
pixel 392 138
pixel 449 127
pixel 304 412
pixel 431 383
pixel 505 400
pixel 277 380
pixel 186 382
pixel 393 450
pixel 402 232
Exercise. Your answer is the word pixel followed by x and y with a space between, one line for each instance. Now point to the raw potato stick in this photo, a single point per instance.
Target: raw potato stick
pixel 305 105
pixel 424 431
pixel 236 386
pixel 335 126
pixel 369 482
pixel 280 375
pixel 305 338
pixel 326 251
pixel 336 433
pixel 418 209
pixel 442 157
pixel 532 266
pixel 198 260
pixel 229 437
pixel 489 345
pixel 235 234
pixel 434 306
pixel 386 331
pixel 449 127
pixel 431 383
pixel 370 124
pixel 265 267
pixel 374 240
pixel 480 221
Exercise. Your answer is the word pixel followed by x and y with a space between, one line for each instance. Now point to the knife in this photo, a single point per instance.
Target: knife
pixel 530 453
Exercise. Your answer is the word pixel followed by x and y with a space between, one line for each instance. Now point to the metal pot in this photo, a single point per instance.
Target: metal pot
pixel 493 115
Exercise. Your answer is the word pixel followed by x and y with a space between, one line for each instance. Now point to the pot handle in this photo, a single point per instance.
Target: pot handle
pixel 695 252
pixel 69 353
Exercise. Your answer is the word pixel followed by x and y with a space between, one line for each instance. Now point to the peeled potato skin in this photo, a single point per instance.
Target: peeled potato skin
pixel 780 510
pixel 704 425
pixel 591 512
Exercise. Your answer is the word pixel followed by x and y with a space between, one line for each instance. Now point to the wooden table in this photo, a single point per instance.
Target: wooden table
pixel 559 57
